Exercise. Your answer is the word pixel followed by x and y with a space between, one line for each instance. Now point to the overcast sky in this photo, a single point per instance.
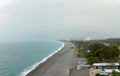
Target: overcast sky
pixel 24 20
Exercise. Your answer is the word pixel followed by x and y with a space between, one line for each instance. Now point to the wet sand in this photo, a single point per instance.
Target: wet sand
pixel 59 64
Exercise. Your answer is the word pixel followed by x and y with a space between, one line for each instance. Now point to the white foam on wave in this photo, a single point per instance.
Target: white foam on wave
pixel 28 70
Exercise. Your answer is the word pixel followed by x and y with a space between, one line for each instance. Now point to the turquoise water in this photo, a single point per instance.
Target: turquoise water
pixel 17 58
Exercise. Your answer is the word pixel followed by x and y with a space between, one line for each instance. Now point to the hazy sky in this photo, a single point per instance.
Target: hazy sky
pixel 22 20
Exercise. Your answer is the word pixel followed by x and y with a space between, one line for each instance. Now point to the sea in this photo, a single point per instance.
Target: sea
pixel 19 58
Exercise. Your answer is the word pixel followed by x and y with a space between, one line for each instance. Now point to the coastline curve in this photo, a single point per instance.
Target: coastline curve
pixel 31 68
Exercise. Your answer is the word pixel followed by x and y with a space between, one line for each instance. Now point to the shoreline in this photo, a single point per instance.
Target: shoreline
pixel 37 64
pixel 59 64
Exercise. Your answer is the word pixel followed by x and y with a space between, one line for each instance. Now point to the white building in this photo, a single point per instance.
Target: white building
pixel 104 69
pixel 106 65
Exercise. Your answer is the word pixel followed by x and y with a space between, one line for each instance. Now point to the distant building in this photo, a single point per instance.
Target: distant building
pixel 106 44
pixel 119 47
pixel 88 51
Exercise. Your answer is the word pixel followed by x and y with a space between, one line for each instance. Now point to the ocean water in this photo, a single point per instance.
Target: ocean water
pixel 17 59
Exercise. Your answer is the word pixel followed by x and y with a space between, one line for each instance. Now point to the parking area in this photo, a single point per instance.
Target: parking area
pixel 80 72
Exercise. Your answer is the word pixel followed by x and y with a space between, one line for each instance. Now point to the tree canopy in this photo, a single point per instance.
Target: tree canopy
pixel 114 73
pixel 102 53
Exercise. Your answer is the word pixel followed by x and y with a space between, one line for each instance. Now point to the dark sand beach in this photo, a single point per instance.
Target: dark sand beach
pixel 59 64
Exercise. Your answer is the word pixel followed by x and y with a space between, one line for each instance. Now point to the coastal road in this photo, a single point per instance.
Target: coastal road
pixel 59 64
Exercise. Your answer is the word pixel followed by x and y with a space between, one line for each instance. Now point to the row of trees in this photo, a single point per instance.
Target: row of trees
pixel 102 53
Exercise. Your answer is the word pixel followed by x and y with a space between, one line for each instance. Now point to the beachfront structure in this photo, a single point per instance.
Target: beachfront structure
pixel 104 69
pixel 106 44
pixel 95 72
pixel 106 65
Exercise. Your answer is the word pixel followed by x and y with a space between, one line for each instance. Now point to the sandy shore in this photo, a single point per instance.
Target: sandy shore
pixel 59 64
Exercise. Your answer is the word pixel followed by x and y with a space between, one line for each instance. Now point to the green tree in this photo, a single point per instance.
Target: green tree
pixel 114 73
pixel 92 59
pixel 113 51
pixel 95 46
pixel 102 53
